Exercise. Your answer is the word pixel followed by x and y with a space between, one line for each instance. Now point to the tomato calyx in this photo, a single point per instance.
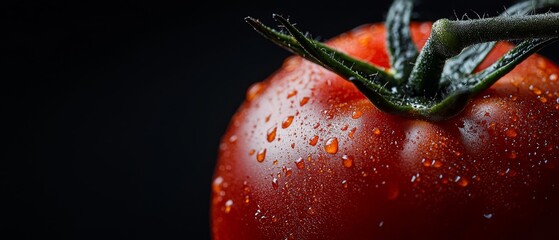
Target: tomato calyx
pixel 439 81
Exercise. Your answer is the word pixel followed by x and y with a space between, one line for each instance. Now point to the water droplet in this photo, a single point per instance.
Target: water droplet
pixel 267 119
pixel 351 133
pixel 357 114
pixel 328 114
pixel 292 93
pixel 462 182
pixel 261 155
pixel 300 163
pixel 292 145
pixel 313 140
pixel 233 138
pixel 275 162
pixel 287 122
pixel 347 161
pixel 380 224
pixel 376 131
pixel 488 215
pixel 304 101
pixel 512 154
pixel 275 183
pixel 247 199
pixel 271 135
pixel 331 145
pixel 246 188
pixel 541 63
pixel 436 164
pixel 318 125
pixel 553 77
pixel 501 173
pixel 253 91
pixel 228 205
pixel 535 90
pixel 543 99
pixel 287 171
pixel 310 211
pixel 252 151
pixel 274 219
pixel 511 133
pixel 344 183
pixel 345 127
pixel 217 184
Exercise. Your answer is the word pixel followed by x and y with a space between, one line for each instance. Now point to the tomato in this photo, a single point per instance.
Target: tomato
pixel 307 156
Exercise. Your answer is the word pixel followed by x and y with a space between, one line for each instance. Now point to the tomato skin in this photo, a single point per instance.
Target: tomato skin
pixel 489 173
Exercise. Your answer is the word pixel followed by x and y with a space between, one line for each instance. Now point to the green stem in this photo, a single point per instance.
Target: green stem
pixel 436 88
pixel 288 42
pixel 448 38
pixel 471 57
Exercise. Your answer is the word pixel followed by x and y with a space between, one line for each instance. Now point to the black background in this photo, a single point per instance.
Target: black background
pixel 115 110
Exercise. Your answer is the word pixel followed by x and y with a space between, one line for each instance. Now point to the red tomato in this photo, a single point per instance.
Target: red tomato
pixel 307 156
